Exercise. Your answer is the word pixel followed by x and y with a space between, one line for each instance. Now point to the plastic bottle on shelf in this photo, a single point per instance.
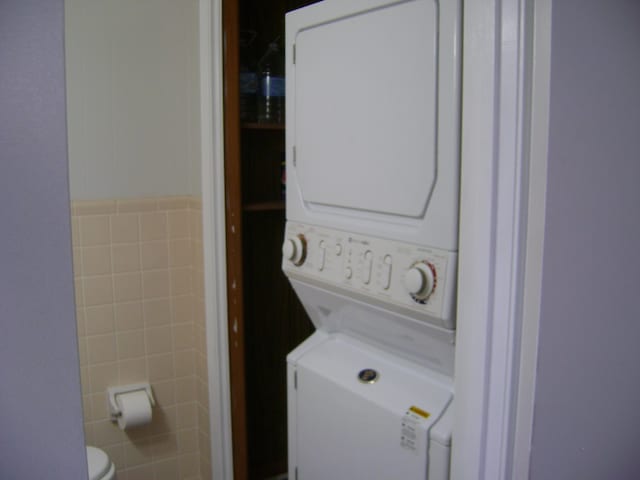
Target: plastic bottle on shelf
pixel 271 86
pixel 248 78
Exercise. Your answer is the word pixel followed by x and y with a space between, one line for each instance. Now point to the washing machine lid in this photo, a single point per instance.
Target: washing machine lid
pixel 417 341
pixel 98 463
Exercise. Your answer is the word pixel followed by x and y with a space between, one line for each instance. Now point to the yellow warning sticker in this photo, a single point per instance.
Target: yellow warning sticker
pixel 419 411
pixel 413 427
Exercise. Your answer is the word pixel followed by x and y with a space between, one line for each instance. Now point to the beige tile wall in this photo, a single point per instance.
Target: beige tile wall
pixel 200 339
pixel 138 267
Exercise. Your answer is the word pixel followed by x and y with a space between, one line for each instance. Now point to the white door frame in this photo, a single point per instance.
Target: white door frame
pixel 500 245
pixel 505 128
pixel 213 231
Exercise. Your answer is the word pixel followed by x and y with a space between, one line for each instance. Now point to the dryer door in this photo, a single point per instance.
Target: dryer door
pixel 372 116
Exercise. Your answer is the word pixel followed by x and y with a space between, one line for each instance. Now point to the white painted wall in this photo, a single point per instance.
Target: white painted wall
pixel 133 98
pixel 40 402
pixel 588 383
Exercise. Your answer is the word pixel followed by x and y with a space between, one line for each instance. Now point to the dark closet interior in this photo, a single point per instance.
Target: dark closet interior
pixel 265 319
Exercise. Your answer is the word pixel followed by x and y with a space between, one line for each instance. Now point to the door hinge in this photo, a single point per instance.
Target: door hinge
pixel 296 472
pixel 293 153
pixel 294 53
pixel 295 380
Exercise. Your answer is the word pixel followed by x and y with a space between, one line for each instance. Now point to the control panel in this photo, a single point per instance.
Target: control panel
pixel 417 280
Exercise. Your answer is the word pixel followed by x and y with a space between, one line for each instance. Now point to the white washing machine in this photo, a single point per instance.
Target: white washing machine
pixel 373 100
pixel 361 413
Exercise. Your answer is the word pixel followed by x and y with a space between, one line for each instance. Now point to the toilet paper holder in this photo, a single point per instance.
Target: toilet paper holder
pixel 113 392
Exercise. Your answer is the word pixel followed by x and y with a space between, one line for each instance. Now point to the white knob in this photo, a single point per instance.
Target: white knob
pixel 293 249
pixel 348 273
pixel 419 281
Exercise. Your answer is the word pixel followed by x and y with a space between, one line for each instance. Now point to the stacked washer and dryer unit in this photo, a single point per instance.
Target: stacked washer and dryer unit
pixel 370 247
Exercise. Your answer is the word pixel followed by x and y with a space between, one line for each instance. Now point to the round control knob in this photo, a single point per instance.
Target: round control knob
pixel 294 249
pixel 419 281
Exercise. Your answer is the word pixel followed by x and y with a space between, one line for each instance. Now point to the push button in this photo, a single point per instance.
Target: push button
pixel 321 255
pixel 366 268
pixel 386 272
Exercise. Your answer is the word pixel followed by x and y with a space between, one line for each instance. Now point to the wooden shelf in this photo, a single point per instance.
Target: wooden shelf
pixel 263 126
pixel 264 206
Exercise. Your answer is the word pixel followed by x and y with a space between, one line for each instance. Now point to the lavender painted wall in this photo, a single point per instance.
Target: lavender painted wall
pixel 40 407
pixel 587 411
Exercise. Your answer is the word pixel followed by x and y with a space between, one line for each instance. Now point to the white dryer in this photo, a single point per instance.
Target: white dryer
pixel 372 111
pixel 370 244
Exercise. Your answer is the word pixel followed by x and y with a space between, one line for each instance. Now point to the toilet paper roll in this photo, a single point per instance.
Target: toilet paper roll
pixel 135 409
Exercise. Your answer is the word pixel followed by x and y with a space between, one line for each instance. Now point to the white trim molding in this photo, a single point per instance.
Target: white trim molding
pixel 540 68
pixel 496 245
pixel 212 144
pixel 477 225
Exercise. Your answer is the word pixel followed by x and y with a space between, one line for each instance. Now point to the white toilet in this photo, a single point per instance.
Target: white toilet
pixel 100 465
